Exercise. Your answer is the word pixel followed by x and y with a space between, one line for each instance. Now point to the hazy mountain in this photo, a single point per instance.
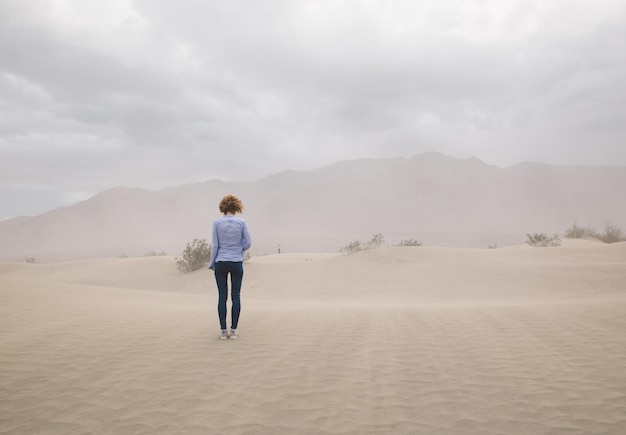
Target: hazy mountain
pixel 429 197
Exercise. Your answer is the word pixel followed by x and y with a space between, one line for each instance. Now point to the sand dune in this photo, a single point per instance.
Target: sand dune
pixel 399 340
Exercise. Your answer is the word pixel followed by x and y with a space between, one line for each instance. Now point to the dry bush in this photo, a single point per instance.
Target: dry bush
pixel 410 242
pixel 196 255
pixel 577 232
pixel 612 234
pixel 543 240
pixel 351 247
pixel 155 254
pixel 375 242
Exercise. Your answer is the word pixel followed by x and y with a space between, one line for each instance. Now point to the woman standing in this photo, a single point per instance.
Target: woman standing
pixel 230 239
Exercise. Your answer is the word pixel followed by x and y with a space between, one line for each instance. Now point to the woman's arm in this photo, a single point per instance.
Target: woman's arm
pixel 246 240
pixel 214 246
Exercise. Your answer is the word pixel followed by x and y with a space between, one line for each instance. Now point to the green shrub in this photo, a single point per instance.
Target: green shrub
pixel 543 240
pixel 196 255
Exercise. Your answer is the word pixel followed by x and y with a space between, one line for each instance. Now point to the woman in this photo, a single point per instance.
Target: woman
pixel 230 239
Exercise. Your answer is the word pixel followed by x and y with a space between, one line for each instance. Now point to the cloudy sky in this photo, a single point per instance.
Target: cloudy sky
pixel 155 93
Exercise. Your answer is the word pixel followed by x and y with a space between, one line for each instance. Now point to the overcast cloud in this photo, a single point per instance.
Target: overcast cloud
pixel 154 93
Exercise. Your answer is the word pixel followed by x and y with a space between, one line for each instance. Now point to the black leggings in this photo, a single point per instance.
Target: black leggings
pixel 235 269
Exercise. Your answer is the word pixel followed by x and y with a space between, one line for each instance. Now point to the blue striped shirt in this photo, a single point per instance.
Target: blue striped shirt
pixel 231 238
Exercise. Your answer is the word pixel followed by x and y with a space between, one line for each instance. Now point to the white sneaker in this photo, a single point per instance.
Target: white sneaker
pixel 234 334
pixel 224 334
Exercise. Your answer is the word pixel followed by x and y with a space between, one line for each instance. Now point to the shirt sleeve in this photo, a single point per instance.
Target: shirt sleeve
pixel 214 246
pixel 246 240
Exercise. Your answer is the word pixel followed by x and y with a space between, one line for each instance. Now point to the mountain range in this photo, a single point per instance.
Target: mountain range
pixel 429 197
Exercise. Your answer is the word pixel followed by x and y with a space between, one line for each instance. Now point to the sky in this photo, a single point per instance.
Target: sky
pixel 154 93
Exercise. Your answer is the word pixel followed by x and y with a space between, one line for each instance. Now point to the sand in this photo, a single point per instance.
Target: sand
pixel 425 340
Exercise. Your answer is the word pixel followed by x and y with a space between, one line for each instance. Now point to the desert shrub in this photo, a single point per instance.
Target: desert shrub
pixel 612 234
pixel 155 254
pixel 577 232
pixel 375 242
pixel 30 260
pixel 410 242
pixel 196 255
pixel 543 240
pixel 351 247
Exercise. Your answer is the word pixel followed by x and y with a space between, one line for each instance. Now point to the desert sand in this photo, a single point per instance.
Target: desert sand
pixel 428 340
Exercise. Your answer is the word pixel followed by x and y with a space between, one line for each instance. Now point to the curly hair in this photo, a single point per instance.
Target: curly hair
pixel 231 204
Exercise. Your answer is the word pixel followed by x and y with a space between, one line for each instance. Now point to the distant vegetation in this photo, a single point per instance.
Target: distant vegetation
pixel 155 254
pixel 375 242
pixel 410 242
pixel 543 240
pixel 577 232
pixel 612 233
pixel 30 260
pixel 196 255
